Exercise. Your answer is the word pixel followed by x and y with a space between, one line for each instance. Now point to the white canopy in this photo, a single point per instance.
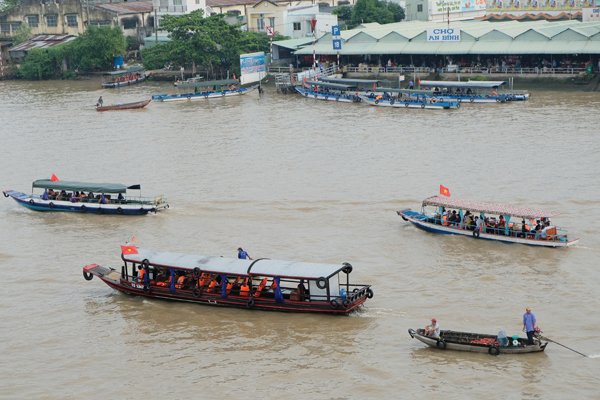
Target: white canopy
pixel 234 266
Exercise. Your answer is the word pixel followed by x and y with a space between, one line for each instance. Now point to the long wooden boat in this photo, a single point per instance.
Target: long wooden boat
pixel 478 342
pixel 261 284
pixel 470 91
pixel 84 197
pixel 126 77
pixel 432 218
pixel 427 103
pixel 124 106
pixel 205 90
pixel 330 92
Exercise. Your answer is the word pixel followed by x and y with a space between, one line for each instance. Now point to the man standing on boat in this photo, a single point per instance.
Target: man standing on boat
pixel 100 102
pixel 529 324
pixel 243 255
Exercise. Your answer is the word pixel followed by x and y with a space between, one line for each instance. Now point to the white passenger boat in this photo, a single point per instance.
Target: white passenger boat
pixel 500 222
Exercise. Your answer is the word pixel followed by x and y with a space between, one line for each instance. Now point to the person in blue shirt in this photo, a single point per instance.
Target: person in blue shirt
pixel 243 255
pixel 529 324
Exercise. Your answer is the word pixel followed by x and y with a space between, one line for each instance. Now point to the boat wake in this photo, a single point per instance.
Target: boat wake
pixel 594 356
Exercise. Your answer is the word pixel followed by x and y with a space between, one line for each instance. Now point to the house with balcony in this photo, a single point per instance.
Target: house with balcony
pixel 177 7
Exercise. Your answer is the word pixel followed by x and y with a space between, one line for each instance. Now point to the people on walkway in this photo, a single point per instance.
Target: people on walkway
pixel 529 324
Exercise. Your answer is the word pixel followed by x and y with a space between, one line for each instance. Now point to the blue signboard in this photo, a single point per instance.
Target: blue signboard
pixel 337 44
pixel 335 30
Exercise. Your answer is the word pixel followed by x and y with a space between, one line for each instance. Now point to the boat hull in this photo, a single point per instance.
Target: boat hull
pixel 337 97
pixel 419 220
pixel 494 349
pixel 37 204
pixel 429 104
pixel 115 280
pixel 110 85
pixel 202 95
pixel 125 106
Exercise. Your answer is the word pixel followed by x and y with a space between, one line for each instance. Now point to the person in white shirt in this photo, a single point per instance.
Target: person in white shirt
pixel 433 330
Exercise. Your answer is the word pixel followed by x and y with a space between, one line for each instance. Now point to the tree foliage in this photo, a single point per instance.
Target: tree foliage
pixel 365 11
pixel 95 48
pixel 42 64
pixel 207 43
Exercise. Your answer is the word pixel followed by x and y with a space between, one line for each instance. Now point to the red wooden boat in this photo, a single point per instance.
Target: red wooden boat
pixel 261 284
pixel 124 106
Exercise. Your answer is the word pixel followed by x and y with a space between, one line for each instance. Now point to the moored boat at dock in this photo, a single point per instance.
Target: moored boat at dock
pixel 328 91
pixel 490 221
pixel 478 342
pixel 126 77
pixel 85 197
pixel 428 103
pixel 468 91
pixel 261 284
pixel 206 90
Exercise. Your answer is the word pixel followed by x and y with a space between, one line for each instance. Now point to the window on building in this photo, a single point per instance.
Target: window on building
pixel 52 20
pixel 72 20
pixel 164 4
pixel 130 23
pixel 272 22
pixel 234 13
pixel 197 1
pixel 343 3
pixel 177 2
pixel 297 26
pixel 419 7
pixel 260 24
pixel 4 28
pixel 33 21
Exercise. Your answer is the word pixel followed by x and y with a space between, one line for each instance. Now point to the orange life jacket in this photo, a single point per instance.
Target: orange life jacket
pixel 141 274
pixel 228 288
pixel 445 221
pixel 244 290
pixel 212 285
pixel 260 288
pixel 180 282
pixel 202 281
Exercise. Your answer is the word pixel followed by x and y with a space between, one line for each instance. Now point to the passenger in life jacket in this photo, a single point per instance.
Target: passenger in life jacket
pixel 234 286
pixel 245 289
pixel 260 287
pixel 212 286
pixel 203 280
pixel 166 279
pixel 180 282
pixel 141 273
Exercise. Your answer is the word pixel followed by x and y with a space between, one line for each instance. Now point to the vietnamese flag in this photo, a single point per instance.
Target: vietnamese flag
pixel 54 178
pixel 129 250
pixel 444 191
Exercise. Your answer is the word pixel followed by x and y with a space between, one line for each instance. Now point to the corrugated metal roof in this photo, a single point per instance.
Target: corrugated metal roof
pixel 480 37
pixel 42 42
pixel 127 8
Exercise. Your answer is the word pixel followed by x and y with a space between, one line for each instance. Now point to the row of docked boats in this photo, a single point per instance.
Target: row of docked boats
pixel 440 95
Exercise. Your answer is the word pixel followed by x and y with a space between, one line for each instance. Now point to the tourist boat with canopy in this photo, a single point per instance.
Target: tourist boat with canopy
pixel 202 90
pixel 84 197
pixel 329 91
pixel 468 91
pixel 126 77
pixel 124 106
pixel 500 222
pixel 384 98
pixel 261 284
pixel 479 343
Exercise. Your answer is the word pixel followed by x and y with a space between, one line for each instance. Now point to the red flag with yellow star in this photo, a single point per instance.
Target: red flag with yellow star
pixel 129 250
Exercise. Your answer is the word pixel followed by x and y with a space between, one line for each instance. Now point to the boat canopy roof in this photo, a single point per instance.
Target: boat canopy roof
pixel 129 70
pixel 198 83
pixel 468 84
pixel 349 81
pixel 234 266
pixel 85 186
pixel 491 208
pixel 331 85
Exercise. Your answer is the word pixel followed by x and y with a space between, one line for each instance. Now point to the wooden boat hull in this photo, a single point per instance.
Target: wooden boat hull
pixel 428 104
pixel 115 84
pixel 203 95
pixel 115 280
pixel 37 204
pixel 337 97
pixel 464 341
pixel 419 220
pixel 125 106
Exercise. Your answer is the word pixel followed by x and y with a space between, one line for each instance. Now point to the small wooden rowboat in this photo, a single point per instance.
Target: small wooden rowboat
pixel 124 106
pixel 261 284
pixel 478 343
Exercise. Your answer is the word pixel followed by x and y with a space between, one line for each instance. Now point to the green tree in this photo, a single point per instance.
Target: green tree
pixel 344 13
pixel 42 64
pixel 364 11
pixel 23 34
pixel 95 48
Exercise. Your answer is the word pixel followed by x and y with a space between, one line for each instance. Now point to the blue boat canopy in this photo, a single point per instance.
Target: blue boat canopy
pixel 331 85
pixel 467 84
pixel 350 81
pixel 234 266
pixel 83 186
pixel 131 70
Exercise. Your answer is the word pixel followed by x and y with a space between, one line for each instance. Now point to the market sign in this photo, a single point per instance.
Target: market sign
pixel 443 35
pixel 458 6
pixel 253 67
